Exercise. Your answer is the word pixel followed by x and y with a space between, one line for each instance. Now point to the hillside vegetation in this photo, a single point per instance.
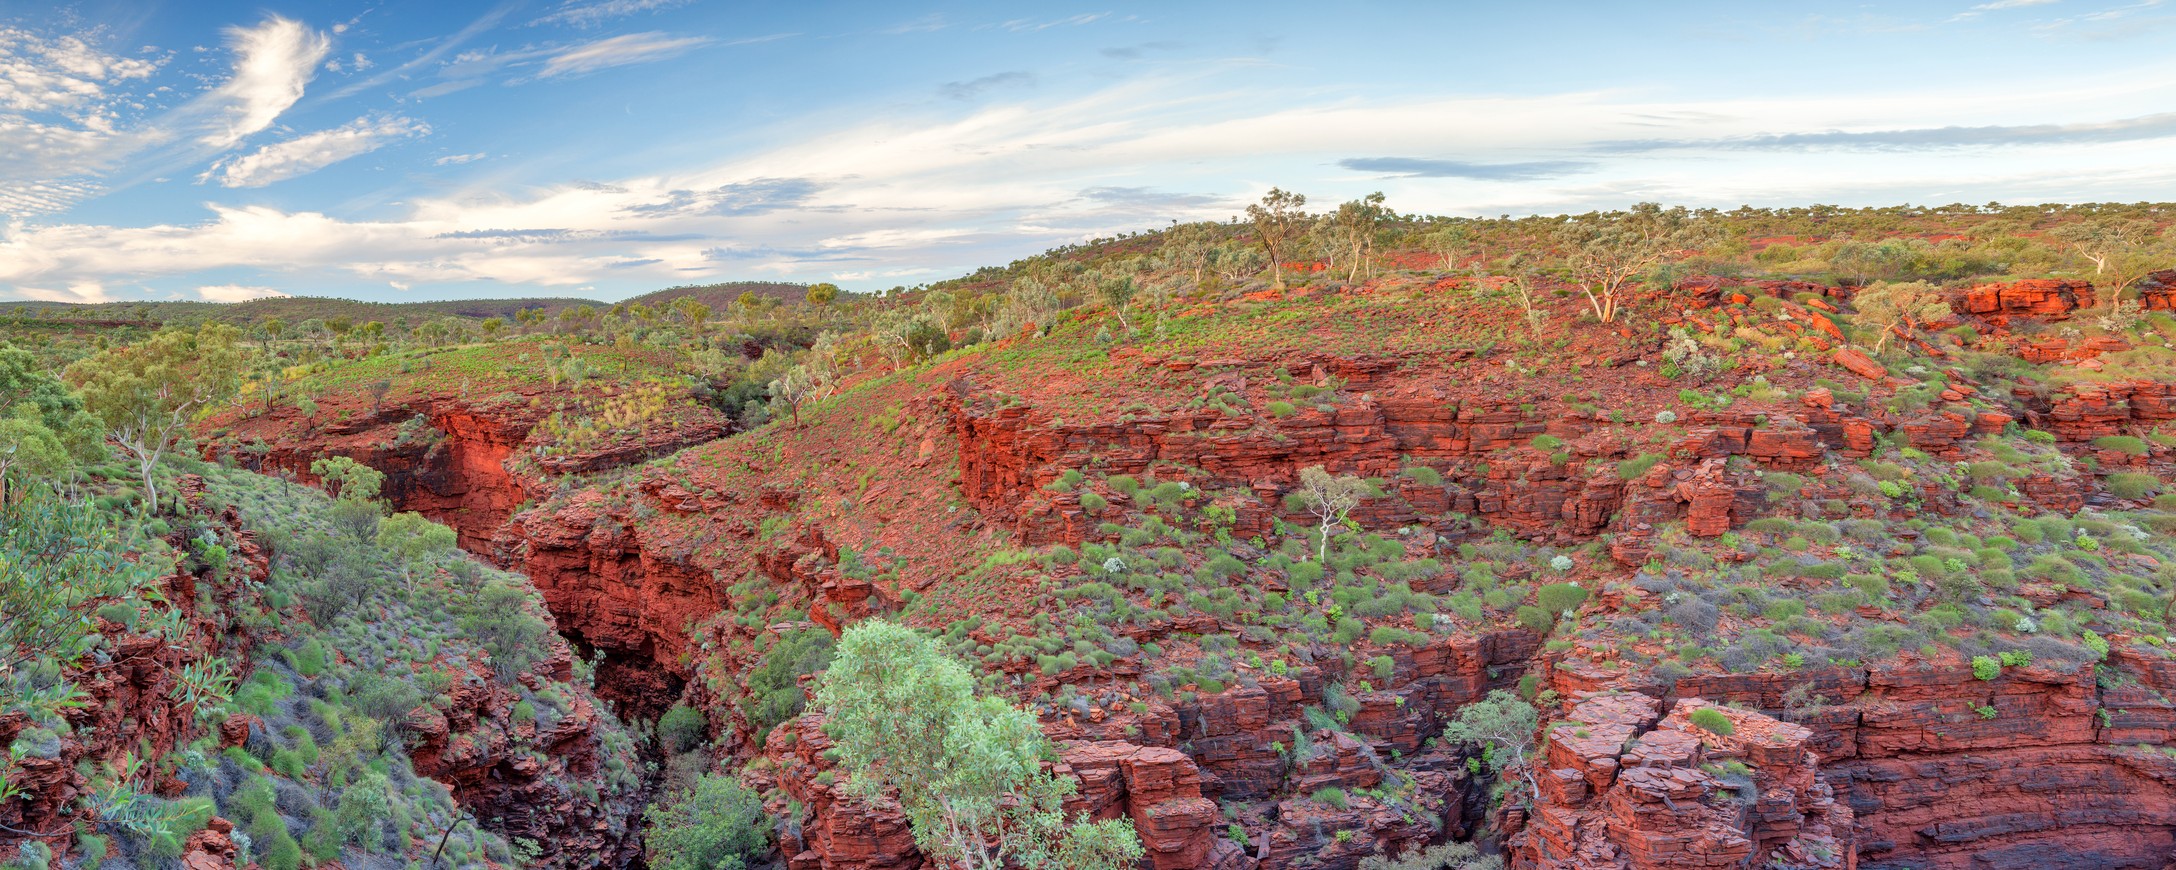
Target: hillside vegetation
pixel 1329 539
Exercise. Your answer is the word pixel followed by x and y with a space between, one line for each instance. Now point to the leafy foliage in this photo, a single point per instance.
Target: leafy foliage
pixel 1504 723
pixel 717 825
pixel 967 769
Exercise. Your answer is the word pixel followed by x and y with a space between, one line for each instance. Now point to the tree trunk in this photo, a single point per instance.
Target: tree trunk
pixel 1322 549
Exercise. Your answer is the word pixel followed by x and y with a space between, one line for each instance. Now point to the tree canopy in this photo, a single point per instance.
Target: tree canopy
pixel 967 770
pixel 147 393
pixel 1504 724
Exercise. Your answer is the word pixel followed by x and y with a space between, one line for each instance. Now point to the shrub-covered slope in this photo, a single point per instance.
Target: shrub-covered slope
pixel 1824 536
pixel 271 679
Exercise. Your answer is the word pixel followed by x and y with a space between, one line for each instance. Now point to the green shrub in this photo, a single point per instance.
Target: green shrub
pixel 1631 469
pixel 308 659
pixel 774 685
pixel 1535 619
pixel 1711 720
pixel 718 825
pixel 683 728
pixel 1561 597
pixel 2093 641
pixel 2125 444
pixel 1986 667
pixel 2133 485
pixel 276 848
pixel 1423 475
pixel 1331 797
pixel 1282 408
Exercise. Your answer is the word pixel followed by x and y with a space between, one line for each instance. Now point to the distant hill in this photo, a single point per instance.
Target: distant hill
pixel 718 296
pixel 295 309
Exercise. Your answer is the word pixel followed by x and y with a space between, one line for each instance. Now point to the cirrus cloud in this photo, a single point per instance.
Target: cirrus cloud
pixel 38 74
pixel 308 153
pixel 235 293
pixel 275 61
pixel 625 50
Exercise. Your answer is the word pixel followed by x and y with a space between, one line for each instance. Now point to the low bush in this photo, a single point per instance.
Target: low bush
pixel 1712 721
pixel 717 825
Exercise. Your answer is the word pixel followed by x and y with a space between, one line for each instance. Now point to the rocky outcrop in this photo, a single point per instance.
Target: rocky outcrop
pixel 1623 786
pixel 1492 472
pixel 611 589
pixel 2039 298
pixel 1938 769
pixel 2092 410
pixel 836 830
pixel 132 705
pixel 1157 788
pixel 2157 291
pixel 524 774
pixel 466 464
pixel 1165 767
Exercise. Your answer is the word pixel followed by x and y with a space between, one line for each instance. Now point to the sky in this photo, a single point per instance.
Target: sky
pixel 402 151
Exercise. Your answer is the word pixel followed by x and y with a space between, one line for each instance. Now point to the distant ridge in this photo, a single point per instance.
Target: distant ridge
pixel 295 309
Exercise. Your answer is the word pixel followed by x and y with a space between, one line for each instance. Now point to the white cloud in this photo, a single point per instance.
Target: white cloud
pixel 39 74
pixel 61 104
pixel 308 153
pixel 759 40
pixel 589 13
pixel 85 292
pixel 458 159
pixel 274 61
pixel 1030 25
pixel 632 48
pixel 471 68
pixel 939 193
pixel 234 293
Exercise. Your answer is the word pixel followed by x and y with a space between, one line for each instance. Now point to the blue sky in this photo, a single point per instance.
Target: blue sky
pixel 406 150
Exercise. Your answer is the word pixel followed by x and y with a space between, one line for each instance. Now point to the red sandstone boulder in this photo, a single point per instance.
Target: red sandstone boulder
pixel 1627 791
pixel 2039 298
pixel 1860 364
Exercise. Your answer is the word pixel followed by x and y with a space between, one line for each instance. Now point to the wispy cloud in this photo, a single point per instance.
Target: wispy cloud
pixel 625 50
pixel 66 73
pixel 309 153
pixel 759 40
pixel 275 61
pixel 63 101
pixel 432 56
pixel 1998 6
pixel 235 293
pixel 2158 126
pixel 930 23
pixel 753 197
pixel 972 88
pixel 1147 196
pixel 936 187
pixel 85 144
pixel 458 159
pixel 1030 25
pixel 1420 167
pixel 590 13
pixel 471 68
pixel 1136 52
